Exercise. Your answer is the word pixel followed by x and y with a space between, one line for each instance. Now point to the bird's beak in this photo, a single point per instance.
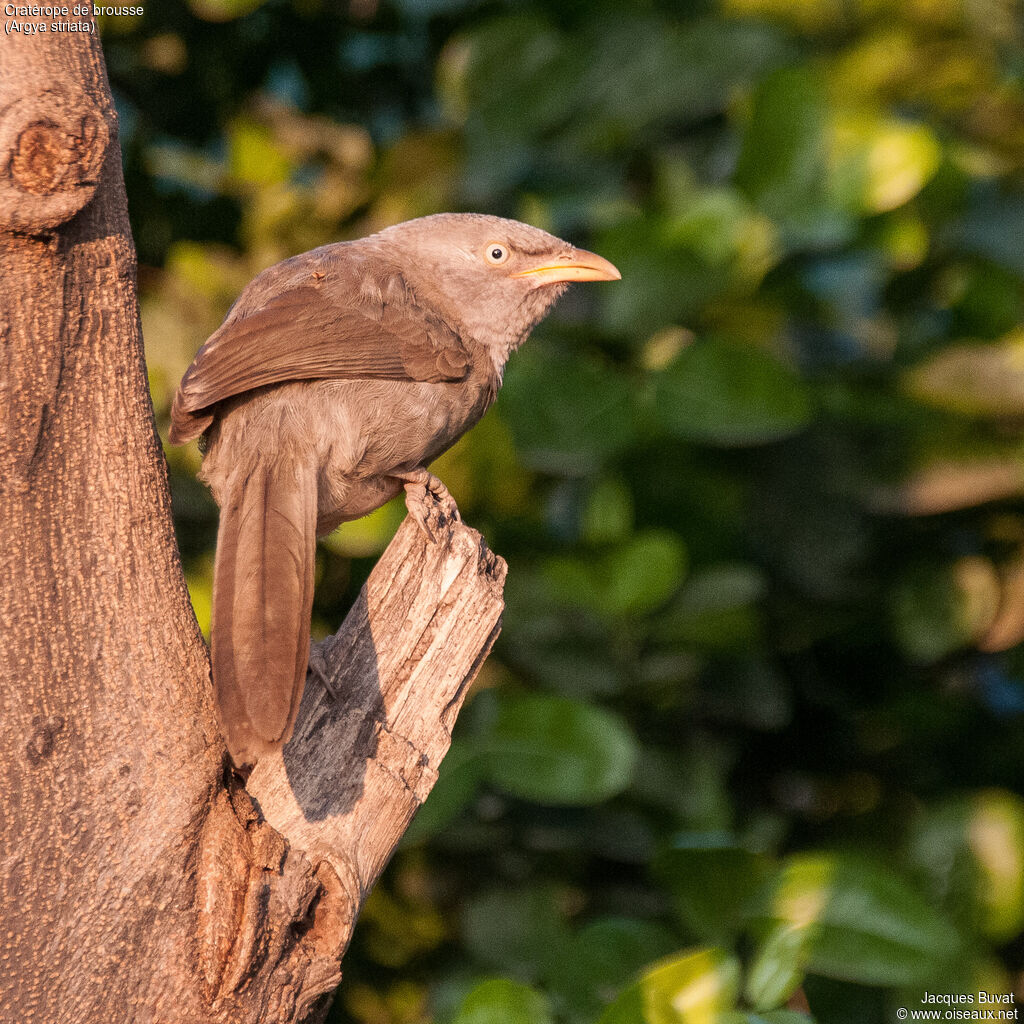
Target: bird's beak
pixel 579 265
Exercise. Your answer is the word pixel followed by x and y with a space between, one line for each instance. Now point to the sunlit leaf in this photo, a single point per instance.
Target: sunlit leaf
pixel 974 380
pixel 223 10
pixel 884 163
pixel 605 955
pixel 255 158
pixel 777 968
pixel 973 851
pixel 938 608
pixel 857 920
pixel 694 988
pixel 501 1001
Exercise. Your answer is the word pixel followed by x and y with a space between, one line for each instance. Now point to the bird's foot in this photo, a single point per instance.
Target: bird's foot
pixel 317 666
pixel 428 501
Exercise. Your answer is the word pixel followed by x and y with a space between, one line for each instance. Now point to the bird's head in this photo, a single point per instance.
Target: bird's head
pixel 496 278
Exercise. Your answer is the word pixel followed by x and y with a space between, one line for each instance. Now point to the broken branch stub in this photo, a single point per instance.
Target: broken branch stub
pixel 381 698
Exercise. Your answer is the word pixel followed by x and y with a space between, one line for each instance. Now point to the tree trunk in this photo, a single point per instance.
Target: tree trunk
pixel 140 880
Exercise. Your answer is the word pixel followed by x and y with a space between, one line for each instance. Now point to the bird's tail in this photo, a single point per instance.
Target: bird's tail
pixel 262 602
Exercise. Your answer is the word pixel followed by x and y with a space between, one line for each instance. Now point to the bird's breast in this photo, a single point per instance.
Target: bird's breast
pixel 376 428
pixel 357 432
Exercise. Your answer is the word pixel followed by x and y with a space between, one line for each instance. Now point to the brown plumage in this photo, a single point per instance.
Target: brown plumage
pixel 335 379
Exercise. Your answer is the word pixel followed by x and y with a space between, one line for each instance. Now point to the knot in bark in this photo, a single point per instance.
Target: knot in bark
pixel 52 148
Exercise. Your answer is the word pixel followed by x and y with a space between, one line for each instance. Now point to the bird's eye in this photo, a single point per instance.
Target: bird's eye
pixel 496 253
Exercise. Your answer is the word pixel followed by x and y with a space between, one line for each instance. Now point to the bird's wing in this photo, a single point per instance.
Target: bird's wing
pixel 262 602
pixel 312 329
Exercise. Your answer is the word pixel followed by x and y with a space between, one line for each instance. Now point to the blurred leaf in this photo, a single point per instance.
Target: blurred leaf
pixel 778 1017
pixel 621 73
pixel 567 415
pixel 692 785
pixel 974 380
pixel 397 930
pixel 608 515
pixel 884 163
pixel 631 579
pixel 782 163
pixel 990 227
pixel 972 849
pixel 646 69
pixel 723 393
pixel 574 670
pixel 694 988
pixel 558 751
pixel 717 608
pixel 254 156
pixel 602 957
pixel 668 281
pixel 369 535
pixel 501 1001
pixel 200 588
pixel 989 300
pixel 458 779
pixel 777 968
pixel 860 921
pixel 519 932
pixel 223 10
pixel 937 609
pixel 713 883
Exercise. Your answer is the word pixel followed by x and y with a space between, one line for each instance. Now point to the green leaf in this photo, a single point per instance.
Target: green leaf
pixel 725 393
pixel 604 956
pixel 668 282
pixel 697 987
pixel 608 514
pixel 778 1017
pixel 519 932
pixel 861 921
pixel 255 157
pixel 643 69
pixel 557 751
pixel 567 415
pixel 501 1001
pixel 713 883
pixel 223 10
pixel 782 163
pixel 883 162
pixel 992 226
pixel 972 850
pixel 458 779
pixel 631 579
pixel 939 608
pixel 717 609
pixel 777 969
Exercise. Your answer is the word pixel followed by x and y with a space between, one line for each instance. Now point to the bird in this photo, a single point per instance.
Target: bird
pixel 336 378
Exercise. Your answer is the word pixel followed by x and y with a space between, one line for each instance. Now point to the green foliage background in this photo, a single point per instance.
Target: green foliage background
pixel 752 734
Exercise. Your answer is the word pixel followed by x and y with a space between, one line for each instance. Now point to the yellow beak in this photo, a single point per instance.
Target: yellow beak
pixel 579 265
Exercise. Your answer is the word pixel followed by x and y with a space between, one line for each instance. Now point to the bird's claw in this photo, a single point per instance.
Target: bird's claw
pixel 429 502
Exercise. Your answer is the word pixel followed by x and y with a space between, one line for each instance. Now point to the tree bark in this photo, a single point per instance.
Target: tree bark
pixel 140 880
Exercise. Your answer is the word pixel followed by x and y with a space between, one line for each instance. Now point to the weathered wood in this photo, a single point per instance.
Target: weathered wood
pixel 139 879
pixel 378 710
